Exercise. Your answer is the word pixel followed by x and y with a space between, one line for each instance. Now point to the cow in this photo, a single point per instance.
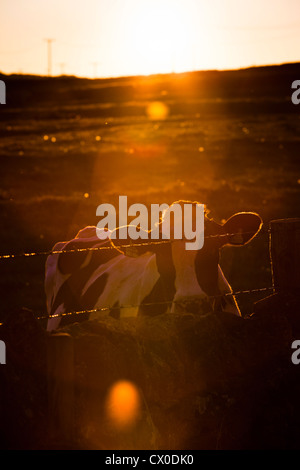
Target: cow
pixel 126 278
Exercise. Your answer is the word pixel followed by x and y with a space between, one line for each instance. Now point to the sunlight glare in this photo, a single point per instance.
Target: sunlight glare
pixel 157 111
pixel 123 404
pixel 160 35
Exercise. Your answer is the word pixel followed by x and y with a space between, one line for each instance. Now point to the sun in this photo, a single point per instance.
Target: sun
pixel 160 36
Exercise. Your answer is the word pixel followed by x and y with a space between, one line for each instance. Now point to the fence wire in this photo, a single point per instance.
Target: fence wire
pixel 112 247
pixel 167 302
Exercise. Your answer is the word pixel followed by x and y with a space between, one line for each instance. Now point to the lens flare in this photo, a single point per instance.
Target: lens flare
pixel 157 111
pixel 123 404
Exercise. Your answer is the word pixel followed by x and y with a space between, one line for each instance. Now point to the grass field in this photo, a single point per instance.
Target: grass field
pixel 230 140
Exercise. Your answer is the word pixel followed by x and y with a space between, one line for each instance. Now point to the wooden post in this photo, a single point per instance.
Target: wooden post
pixel 60 361
pixel 285 255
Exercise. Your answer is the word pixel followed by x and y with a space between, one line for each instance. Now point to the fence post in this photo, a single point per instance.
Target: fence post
pixel 60 362
pixel 285 254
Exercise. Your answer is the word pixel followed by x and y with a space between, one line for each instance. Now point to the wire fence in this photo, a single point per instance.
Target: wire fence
pixel 113 247
pixel 149 304
pixel 263 230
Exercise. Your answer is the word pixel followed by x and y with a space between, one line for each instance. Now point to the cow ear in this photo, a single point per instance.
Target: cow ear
pixel 242 227
pixel 87 232
pixel 126 245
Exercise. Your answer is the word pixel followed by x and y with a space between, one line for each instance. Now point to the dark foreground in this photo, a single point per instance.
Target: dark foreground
pixel 214 382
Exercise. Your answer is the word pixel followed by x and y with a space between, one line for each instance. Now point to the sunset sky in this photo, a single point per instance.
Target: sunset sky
pixel 107 38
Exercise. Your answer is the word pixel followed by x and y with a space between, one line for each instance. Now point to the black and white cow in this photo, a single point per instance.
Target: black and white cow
pixel 130 281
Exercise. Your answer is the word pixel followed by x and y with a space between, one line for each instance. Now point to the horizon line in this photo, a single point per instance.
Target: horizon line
pixel 155 74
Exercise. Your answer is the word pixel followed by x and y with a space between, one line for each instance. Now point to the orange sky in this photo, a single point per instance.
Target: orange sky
pixel 106 38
